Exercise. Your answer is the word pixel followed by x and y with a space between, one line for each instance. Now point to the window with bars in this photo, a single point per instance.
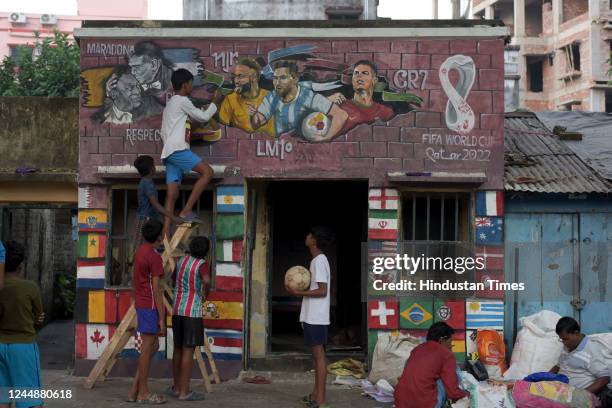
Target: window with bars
pixel 435 225
pixel 123 224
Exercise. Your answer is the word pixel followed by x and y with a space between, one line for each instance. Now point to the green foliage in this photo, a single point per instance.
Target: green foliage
pixel 54 72
pixel 64 293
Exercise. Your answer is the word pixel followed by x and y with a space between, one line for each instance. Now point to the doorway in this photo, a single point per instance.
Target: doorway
pixel 295 207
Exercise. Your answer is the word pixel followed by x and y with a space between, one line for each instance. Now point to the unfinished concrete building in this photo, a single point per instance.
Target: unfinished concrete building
pixel 559 55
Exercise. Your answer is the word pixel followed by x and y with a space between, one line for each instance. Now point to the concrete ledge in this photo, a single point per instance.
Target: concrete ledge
pixel 438 177
pixel 40 177
pixel 128 171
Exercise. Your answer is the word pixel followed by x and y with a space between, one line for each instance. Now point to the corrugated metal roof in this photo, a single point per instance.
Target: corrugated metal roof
pixel 535 160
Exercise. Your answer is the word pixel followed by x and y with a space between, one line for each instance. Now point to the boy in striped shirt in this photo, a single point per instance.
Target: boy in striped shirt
pixel 191 284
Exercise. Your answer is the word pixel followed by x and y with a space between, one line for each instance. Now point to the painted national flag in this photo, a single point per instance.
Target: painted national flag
pixel 102 306
pixel 383 314
pixel 230 199
pixel 489 230
pixel 134 345
pixel 416 313
pixel 93 85
pixel 485 277
pixel 92 245
pixel 451 312
pixel 187 58
pixel 481 314
pixel 93 220
pixel 92 339
pixel 229 250
pixel 229 226
pixel 490 203
pixel 224 310
pixel 225 344
pixel 84 197
pixel 228 276
pixel 493 256
pixel 382 224
pixel 382 249
pixel 459 346
pixel 91 273
pixel 383 198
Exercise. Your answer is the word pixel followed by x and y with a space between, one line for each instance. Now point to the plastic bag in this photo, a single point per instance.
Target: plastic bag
pixel 551 394
pixel 537 346
pixel 485 395
pixel 390 355
pixel 492 352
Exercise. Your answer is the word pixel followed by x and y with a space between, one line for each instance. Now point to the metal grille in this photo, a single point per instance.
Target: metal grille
pixel 435 217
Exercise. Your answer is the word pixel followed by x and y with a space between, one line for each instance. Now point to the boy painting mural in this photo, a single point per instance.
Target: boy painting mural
pixel 314 314
pixel 176 154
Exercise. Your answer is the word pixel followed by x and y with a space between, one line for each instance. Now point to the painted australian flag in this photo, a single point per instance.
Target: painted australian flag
pixel 489 230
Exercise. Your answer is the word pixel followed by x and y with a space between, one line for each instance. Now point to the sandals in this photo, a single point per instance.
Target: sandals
pixel 171 392
pixel 152 399
pixel 258 379
pixel 193 396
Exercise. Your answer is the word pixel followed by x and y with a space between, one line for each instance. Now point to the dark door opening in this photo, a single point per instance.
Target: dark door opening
pixel 295 208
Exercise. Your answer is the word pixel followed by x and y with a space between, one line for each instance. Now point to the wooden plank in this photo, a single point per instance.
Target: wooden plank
pixel 115 346
pixel 211 361
pixel 203 370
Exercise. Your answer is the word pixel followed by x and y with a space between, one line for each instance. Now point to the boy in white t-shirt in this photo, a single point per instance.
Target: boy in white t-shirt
pixel 314 315
pixel 176 154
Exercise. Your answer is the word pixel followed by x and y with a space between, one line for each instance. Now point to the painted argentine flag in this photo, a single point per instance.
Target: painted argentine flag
pixel 230 199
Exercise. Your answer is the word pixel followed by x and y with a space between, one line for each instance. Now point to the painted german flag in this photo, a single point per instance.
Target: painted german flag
pixel 92 245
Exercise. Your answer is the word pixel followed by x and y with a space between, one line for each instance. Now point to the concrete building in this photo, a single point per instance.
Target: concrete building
pixel 558 57
pixel 17 28
pixel 279 9
pixel 414 172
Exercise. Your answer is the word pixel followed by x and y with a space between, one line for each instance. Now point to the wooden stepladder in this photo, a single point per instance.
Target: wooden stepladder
pixel 127 327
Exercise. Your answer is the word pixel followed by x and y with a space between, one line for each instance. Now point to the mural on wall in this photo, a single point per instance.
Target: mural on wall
pixel 293 92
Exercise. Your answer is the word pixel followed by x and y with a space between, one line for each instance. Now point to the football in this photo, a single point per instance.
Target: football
pixel 315 126
pixel 297 278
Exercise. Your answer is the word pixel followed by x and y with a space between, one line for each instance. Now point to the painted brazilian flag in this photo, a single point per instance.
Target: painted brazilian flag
pixel 416 313
pixel 229 226
pixel 92 245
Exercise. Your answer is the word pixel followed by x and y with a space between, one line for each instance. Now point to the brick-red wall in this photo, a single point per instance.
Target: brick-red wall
pixel 368 151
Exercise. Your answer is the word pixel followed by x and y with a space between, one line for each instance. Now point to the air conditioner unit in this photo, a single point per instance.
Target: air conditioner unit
pixel 17 18
pixel 48 19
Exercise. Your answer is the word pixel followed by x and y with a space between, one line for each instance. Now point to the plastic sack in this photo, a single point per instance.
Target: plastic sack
pixel 485 395
pixel 492 352
pixel 390 355
pixel 551 394
pixel 537 346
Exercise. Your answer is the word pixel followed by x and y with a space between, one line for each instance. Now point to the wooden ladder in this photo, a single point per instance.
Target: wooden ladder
pixel 127 327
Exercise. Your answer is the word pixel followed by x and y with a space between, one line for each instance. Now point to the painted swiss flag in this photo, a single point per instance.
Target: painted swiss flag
pixel 383 314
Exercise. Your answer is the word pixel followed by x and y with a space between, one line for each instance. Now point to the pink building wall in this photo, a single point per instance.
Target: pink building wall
pixel 12 35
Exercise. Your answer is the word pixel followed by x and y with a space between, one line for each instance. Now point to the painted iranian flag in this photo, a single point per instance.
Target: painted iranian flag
pixel 382 224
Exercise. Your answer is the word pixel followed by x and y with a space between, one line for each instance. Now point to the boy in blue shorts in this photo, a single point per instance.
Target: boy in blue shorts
pixel 176 154
pixel 20 312
pixel 150 314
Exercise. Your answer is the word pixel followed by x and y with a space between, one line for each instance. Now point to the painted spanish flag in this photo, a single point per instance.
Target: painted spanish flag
pixel 92 245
